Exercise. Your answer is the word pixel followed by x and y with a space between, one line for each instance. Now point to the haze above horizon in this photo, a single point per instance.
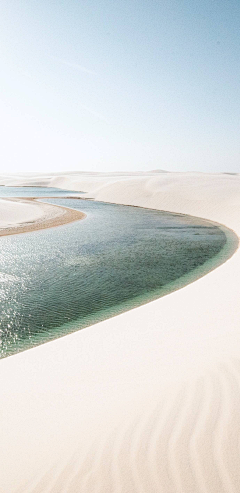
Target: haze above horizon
pixel 125 85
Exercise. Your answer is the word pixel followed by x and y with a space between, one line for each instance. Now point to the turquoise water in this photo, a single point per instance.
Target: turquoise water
pixel 36 192
pixel 57 280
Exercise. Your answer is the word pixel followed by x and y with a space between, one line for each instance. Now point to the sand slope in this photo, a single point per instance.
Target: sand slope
pixel 147 401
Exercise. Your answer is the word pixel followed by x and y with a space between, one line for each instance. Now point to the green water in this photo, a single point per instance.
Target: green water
pixel 58 280
pixel 36 192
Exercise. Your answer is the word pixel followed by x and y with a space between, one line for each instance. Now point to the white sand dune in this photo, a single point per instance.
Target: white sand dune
pixel 149 400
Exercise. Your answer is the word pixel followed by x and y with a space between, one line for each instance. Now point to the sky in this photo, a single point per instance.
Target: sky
pixel 124 85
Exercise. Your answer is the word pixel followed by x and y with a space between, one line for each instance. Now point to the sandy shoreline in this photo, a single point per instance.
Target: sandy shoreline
pixel 52 216
pixel 144 402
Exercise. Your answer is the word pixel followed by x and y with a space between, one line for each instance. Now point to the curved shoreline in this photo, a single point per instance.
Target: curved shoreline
pixel 50 219
pixel 67 215
pixel 134 300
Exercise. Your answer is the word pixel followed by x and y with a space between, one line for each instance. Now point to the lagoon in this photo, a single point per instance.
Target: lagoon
pixel 56 281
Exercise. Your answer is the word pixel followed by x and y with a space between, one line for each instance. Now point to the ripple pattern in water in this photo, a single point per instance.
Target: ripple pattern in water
pixel 57 280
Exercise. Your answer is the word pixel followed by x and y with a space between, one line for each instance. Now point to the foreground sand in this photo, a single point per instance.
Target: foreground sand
pixel 147 401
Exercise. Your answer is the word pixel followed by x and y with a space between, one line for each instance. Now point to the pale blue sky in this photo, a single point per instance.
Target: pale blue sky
pixel 120 85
